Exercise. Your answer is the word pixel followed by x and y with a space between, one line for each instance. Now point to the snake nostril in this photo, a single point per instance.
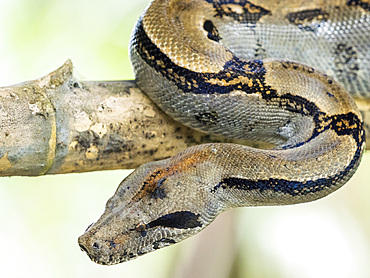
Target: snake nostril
pixel 95 246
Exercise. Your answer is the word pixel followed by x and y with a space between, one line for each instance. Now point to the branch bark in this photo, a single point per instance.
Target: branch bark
pixel 58 124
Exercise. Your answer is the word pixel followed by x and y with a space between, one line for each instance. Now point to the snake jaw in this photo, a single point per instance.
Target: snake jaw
pixel 145 215
pixel 106 244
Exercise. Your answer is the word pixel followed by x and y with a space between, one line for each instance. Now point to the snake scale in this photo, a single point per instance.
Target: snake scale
pixel 272 71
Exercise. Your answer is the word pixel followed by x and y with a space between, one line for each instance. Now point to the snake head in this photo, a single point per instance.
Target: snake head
pixel 148 212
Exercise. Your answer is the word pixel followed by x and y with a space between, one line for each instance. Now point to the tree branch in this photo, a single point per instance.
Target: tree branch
pixel 58 124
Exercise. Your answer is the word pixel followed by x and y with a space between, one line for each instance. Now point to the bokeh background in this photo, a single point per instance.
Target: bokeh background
pixel 41 218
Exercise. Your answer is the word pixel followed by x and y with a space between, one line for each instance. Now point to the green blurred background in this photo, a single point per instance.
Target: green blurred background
pixel 41 218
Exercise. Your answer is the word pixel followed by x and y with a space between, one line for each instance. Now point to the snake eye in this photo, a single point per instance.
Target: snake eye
pixel 212 31
pixel 208 26
pixel 140 227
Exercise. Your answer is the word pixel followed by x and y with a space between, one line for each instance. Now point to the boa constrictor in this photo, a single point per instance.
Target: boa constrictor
pixel 221 66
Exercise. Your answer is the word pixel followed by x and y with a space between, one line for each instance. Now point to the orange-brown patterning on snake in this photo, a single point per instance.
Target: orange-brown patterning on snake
pixel 212 66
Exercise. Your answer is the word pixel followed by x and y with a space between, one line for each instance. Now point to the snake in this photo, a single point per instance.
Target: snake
pixel 280 72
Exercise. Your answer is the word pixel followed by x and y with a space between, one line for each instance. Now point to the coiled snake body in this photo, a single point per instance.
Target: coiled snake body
pixel 207 64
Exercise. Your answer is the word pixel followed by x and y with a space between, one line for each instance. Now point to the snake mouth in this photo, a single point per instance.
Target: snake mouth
pixel 92 254
pixel 83 248
pixel 92 258
pixel 105 250
pixel 90 248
